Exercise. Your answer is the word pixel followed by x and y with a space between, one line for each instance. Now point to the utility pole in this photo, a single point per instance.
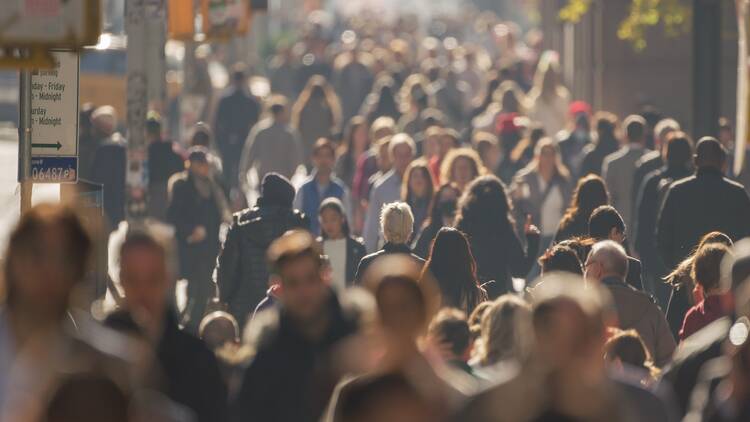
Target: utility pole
pixel 24 139
pixel 706 67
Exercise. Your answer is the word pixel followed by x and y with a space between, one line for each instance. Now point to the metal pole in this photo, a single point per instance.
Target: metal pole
pixel 24 140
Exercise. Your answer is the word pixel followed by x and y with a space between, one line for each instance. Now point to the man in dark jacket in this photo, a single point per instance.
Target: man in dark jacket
pixel 606 223
pixel 163 163
pixel 701 204
pixel 236 113
pixel 189 372
pixel 108 167
pixel 294 371
pixel 241 273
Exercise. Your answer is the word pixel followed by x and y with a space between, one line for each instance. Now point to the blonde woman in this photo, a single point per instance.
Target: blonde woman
pixel 505 334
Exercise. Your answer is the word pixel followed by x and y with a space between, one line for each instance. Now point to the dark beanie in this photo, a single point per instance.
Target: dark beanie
pixel 276 190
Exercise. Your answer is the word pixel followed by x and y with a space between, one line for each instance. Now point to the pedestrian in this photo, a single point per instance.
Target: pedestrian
pixel 356 143
pixel 396 227
pixel 374 160
pixel 343 250
pixel 236 113
pixel 701 204
pixel 271 146
pixel 316 114
pixel 656 159
pixel 589 194
pixel 505 335
pixel 401 150
pixel 484 215
pixel 573 145
pixel 418 191
pixel 381 101
pixel 109 164
pixel 606 143
pixel 352 80
pixel 447 141
pixel 560 258
pixel 488 149
pixel 452 265
pixel 522 154
pixel 543 190
pixel 241 271
pixel 618 168
pixel 627 356
pixel 460 167
pixel 711 302
pixel 682 284
pixel 321 184
pixel 548 97
pixel 607 265
pixel 607 224
pixel 190 372
pixel 442 214
pixel 294 370
pixel 449 329
pixel 163 163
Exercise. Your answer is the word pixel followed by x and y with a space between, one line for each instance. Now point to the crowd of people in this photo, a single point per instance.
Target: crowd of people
pixel 470 243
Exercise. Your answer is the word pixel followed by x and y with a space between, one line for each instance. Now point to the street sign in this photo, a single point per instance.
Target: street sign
pixel 54 121
pixel 49 23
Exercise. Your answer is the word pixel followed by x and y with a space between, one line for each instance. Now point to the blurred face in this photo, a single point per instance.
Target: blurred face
pixel 447 143
pixel 323 160
pixel 303 290
pixel 402 156
pixel 43 275
pixel 547 159
pixel 431 146
pixel 384 159
pixel 491 157
pixel 143 274
pixel 359 140
pixel 399 313
pixel 200 168
pixel 418 183
pixel 331 222
pixel 463 171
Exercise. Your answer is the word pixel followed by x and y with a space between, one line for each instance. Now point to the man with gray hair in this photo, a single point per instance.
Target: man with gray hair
pixel 396 226
pixel 607 265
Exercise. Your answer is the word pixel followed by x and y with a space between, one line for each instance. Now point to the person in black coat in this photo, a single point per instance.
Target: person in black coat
pixel 344 251
pixel 484 215
pixel 442 213
pixel 108 166
pixel 607 224
pixel 197 208
pixel 186 370
pixel 396 225
pixel 294 371
pixel 163 163
pixel 241 271
pixel 701 204
pixel 237 112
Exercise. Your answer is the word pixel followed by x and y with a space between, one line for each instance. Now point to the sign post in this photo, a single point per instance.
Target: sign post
pixel 53 122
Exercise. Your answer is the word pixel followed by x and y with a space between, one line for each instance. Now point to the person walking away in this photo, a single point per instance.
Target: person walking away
pixel 293 373
pixel 189 370
pixel 573 145
pixel 316 114
pixel 236 113
pixel 452 265
pixel 241 271
pixel 701 204
pixel 442 213
pixel 352 80
pixel 542 190
pixel 355 145
pixel 484 215
pixel 679 157
pixel 418 191
pixel 607 224
pixel 321 184
pixel 590 193
pixel 197 209
pixel 715 303
pixel 272 145
pixel 606 143
pixel 401 150
pixel 396 226
pixel 607 265
pixel 109 165
pixel 163 163
pixel 619 167
pixel 343 250
pixel 450 329
pixel 653 160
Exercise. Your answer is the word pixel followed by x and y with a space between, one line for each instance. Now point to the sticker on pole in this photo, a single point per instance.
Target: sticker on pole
pixel 54 121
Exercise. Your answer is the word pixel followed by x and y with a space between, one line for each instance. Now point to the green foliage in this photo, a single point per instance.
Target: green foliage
pixel 672 15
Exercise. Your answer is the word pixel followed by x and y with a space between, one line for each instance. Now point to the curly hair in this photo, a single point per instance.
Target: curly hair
pixel 485 208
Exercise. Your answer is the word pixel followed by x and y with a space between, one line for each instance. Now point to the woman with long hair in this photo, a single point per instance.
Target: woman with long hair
pixel 682 283
pixel 316 113
pixel 485 215
pixel 460 166
pixel 606 143
pixel 356 142
pixel 452 265
pixel 442 213
pixel 417 191
pixel 542 189
pixel 548 97
pixel 505 333
pixel 343 250
pixel 590 193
